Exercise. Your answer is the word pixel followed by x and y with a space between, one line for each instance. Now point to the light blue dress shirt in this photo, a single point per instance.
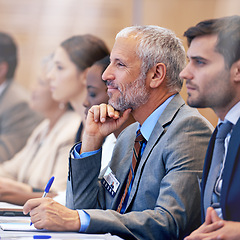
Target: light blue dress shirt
pixel 146 130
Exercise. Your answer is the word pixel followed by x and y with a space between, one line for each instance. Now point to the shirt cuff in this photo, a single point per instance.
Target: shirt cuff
pixel 84 220
pixel 77 155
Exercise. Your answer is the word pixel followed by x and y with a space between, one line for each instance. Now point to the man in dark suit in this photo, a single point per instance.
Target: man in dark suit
pixel 213 80
pixel 145 191
pixel 17 120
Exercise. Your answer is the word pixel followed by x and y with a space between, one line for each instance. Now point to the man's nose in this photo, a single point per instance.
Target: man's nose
pixel 185 73
pixel 108 74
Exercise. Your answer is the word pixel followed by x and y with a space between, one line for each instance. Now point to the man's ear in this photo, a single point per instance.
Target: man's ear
pixel 3 70
pixel 158 76
pixel 236 71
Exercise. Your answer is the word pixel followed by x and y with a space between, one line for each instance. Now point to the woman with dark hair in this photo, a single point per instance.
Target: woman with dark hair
pixel 71 61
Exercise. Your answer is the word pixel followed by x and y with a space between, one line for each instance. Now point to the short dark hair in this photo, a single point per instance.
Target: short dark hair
pixel 227 30
pixel 8 53
pixel 84 50
pixel 103 63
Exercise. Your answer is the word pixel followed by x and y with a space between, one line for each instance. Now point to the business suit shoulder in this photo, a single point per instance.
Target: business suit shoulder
pixel 17 120
pixel 230 195
pixel 178 115
pixel 21 96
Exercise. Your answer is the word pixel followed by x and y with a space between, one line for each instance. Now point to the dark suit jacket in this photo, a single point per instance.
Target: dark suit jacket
pixel 230 195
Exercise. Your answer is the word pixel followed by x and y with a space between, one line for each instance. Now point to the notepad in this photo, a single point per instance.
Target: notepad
pixel 18 226
pixel 7 209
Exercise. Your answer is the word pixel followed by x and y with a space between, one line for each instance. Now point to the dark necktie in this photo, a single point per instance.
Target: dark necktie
pixel 217 159
pixel 135 161
pixel 79 133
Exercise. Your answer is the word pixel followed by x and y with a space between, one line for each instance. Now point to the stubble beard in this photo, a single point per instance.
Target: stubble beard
pixel 133 96
pixel 214 100
pixel 195 103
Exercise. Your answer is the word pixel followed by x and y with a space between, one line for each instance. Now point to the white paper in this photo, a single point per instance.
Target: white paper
pixel 18 226
pixel 9 205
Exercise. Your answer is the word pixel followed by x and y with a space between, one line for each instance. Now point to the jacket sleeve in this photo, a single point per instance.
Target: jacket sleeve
pixel 82 184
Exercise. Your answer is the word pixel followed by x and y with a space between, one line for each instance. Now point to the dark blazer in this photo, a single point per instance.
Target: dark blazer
pixel 230 195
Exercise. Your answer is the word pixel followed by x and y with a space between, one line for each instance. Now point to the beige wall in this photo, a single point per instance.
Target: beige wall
pixel 178 15
pixel 40 25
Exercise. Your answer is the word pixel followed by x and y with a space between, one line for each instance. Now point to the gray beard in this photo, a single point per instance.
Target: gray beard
pixel 135 95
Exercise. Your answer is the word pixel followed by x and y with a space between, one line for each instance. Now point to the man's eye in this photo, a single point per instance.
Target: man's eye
pixel 199 62
pixel 120 64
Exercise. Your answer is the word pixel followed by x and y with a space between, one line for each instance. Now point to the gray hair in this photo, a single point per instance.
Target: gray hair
pixel 158 45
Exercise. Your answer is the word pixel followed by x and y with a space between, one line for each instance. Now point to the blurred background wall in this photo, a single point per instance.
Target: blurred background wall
pixel 38 26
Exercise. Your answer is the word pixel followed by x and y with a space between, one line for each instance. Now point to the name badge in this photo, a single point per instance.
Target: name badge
pixel 110 182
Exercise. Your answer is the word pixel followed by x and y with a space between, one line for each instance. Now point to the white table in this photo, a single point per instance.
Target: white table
pixel 54 235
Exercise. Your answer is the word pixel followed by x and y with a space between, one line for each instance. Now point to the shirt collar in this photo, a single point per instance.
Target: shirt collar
pixel 149 124
pixel 233 115
pixel 2 87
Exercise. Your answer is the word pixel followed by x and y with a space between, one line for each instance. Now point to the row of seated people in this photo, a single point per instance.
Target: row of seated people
pixel 150 188
pixel 46 151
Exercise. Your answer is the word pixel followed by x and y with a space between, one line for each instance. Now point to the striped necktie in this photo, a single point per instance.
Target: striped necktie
pixel 135 161
pixel 217 159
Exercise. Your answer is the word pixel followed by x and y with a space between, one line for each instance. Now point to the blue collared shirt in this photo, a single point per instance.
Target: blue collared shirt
pixel 146 130
pixel 149 124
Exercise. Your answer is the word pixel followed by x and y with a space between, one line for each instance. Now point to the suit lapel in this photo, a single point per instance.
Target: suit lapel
pixel 208 159
pixel 231 158
pixel 161 126
pixel 126 163
pixel 8 83
pixel 206 167
pixel 149 147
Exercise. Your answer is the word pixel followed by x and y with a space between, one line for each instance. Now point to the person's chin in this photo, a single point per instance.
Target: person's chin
pixel 190 101
pixel 194 103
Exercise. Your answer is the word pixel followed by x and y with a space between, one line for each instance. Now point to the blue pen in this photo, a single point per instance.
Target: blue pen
pixel 46 190
pixel 41 236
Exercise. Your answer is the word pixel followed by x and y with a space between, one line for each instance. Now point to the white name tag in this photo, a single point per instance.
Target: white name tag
pixel 110 182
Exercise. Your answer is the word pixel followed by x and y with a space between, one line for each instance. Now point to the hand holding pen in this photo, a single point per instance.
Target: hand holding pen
pixel 46 190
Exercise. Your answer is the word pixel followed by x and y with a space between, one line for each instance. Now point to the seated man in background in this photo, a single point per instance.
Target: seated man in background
pixel 213 80
pixel 17 120
pixel 150 189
